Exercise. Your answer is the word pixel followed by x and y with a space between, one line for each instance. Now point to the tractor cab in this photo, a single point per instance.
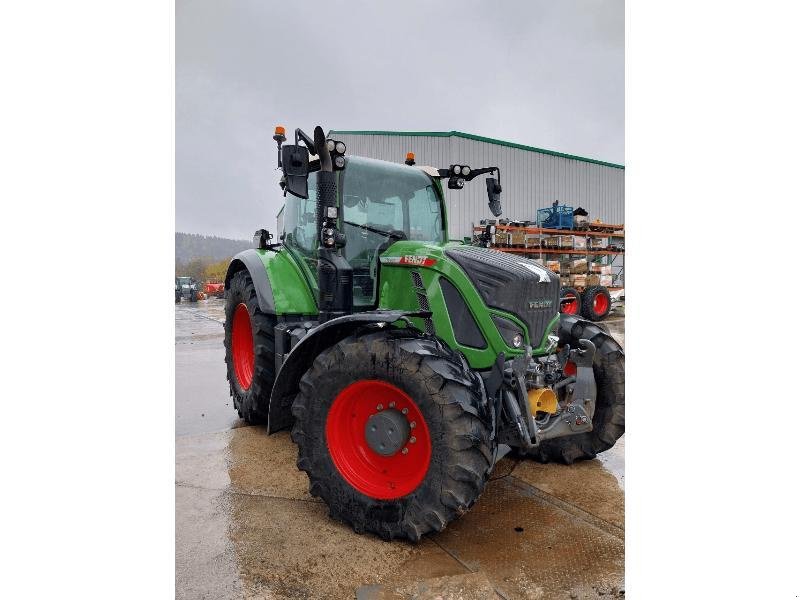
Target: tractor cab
pixel 380 203
pixel 342 220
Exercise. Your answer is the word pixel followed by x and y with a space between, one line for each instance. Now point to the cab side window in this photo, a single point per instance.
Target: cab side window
pixel 305 228
pixel 424 213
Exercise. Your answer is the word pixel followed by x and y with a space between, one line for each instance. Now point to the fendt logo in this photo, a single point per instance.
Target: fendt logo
pixel 540 303
pixel 419 261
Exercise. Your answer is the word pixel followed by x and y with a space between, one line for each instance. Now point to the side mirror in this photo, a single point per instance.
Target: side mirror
pixel 493 190
pixel 295 169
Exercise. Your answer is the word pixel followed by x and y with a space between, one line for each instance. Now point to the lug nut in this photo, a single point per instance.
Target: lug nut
pixel 405 450
pixel 380 406
pixel 391 404
pixel 404 411
pixel 413 424
pixel 413 439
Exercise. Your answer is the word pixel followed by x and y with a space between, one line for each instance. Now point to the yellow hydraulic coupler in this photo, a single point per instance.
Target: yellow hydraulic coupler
pixel 542 400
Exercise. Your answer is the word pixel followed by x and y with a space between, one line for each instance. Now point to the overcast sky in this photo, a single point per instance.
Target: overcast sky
pixel 543 73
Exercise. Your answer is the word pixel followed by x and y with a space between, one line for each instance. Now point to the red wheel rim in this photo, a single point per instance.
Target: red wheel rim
pixel 244 359
pixel 570 308
pixel 600 304
pixel 374 475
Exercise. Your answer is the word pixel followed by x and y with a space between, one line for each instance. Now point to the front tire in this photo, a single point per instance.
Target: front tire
pixel 412 488
pixel 249 350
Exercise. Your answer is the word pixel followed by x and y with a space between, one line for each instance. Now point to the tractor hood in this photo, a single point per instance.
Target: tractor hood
pixel 501 283
pixel 511 283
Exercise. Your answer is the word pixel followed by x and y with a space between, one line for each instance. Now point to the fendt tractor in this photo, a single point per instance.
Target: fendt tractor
pixel 405 364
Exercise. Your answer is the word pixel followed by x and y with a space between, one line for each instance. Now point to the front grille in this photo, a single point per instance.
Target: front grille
pixel 423 301
pixel 512 283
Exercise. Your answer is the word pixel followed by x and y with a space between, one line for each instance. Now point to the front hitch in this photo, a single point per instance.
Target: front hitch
pixel 521 428
pixel 577 415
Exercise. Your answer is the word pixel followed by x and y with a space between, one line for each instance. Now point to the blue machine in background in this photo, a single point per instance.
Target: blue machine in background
pixel 555 217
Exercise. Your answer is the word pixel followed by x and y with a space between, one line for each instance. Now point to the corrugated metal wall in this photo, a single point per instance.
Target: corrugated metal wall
pixel 530 179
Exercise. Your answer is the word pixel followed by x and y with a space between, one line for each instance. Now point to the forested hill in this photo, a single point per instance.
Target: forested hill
pixel 189 246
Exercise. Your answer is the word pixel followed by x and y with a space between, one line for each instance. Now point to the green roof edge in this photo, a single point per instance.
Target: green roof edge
pixel 479 138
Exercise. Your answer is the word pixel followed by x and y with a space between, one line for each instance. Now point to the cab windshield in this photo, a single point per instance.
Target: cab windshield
pixel 382 203
pixel 390 198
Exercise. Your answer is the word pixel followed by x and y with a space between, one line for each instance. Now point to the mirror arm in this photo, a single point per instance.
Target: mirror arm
pixel 473 174
pixel 299 135
pixel 445 173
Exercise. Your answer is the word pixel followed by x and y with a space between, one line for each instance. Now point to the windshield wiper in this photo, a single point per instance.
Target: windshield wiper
pixel 390 234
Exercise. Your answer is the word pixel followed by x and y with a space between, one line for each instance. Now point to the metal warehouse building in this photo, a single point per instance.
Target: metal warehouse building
pixel 531 177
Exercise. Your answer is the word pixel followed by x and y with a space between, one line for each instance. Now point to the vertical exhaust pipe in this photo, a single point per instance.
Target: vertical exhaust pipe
pixel 334 273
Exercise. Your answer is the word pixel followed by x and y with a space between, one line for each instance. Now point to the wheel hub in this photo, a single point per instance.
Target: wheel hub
pixel 401 465
pixel 387 431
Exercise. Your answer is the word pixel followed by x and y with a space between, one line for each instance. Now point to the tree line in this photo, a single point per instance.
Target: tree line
pixel 189 246
pixel 203 269
pixel 205 257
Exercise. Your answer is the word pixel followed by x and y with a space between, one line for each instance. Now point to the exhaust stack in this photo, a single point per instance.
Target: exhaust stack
pixel 334 272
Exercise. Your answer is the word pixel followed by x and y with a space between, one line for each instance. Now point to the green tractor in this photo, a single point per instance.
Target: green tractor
pixel 406 365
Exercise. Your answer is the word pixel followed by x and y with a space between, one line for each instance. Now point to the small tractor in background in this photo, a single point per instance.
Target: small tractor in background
pixel 186 288
pixel 406 365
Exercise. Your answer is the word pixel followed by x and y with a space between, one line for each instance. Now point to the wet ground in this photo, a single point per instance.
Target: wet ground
pixel 246 526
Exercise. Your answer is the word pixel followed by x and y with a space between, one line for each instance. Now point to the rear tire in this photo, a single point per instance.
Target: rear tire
pixel 250 360
pixel 596 303
pixel 609 414
pixel 574 307
pixel 440 385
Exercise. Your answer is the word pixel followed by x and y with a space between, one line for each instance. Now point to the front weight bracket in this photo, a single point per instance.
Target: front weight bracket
pixel 577 415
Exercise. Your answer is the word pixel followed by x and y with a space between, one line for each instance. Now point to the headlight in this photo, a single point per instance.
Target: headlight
pixel 339 162
pixel 340 147
pixel 331 145
pixel 457 170
pixel 510 331
pixel 465 171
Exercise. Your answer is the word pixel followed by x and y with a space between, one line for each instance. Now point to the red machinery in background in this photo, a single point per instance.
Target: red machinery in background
pixel 213 288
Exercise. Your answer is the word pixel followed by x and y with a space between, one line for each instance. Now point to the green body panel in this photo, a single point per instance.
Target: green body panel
pixel 397 292
pixel 290 286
